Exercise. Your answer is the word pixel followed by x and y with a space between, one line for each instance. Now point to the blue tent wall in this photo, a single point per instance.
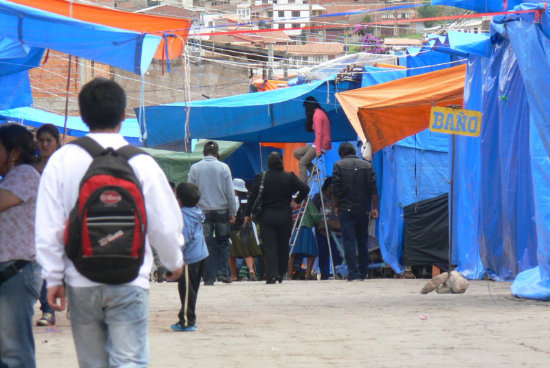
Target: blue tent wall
pixel 413 169
pixel 531 44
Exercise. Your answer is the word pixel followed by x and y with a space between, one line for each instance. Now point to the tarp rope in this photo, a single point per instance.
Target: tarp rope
pixel 67 99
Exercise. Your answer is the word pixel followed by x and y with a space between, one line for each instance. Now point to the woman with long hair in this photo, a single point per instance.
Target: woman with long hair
pixel 276 216
pixel 47 137
pixel 317 121
pixel 19 273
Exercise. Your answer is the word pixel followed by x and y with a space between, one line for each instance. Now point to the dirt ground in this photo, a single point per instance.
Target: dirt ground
pixel 373 323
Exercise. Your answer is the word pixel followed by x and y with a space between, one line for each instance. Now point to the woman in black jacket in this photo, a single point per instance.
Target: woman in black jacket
pixel 276 217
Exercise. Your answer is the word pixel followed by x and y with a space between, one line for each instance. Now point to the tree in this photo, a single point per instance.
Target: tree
pixel 428 11
pixel 369 43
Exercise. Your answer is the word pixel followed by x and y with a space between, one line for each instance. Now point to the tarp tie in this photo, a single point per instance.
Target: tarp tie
pixel 505 5
pixel 538 14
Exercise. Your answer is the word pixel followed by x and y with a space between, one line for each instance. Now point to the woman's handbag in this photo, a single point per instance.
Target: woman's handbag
pixel 244 234
pixel 257 207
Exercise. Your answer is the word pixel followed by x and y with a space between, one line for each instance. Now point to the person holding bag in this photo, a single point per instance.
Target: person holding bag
pixel 276 214
pixel 19 272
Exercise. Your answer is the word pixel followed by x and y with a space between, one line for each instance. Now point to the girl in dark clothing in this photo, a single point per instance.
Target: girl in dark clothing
pixel 276 217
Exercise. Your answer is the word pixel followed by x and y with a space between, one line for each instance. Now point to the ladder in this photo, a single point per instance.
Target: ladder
pixel 315 178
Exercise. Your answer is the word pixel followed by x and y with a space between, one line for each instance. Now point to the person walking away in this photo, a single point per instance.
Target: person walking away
pixel 276 217
pixel 320 233
pixel 48 140
pixel 354 191
pixel 239 248
pixel 213 178
pixel 194 253
pixel 317 121
pixel 109 322
pixel 19 273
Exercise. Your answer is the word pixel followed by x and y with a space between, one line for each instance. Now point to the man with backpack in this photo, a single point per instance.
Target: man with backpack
pixel 100 203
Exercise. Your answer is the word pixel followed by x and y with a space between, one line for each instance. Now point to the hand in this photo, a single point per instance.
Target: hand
pixel 232 220
pixel 55 293
pixel 174 275
pixel 247 219
pixel 335 211
pixel 319 154
pixel 374 213
pixel 293 204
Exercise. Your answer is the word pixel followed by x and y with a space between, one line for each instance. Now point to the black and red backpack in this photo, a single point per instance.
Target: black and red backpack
pixel 106 229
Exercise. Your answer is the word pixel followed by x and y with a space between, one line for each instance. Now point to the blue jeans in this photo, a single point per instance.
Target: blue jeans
pixel 44 306
pixel 17 297
pixel 109 324
pixel 355 237
pixel 216 264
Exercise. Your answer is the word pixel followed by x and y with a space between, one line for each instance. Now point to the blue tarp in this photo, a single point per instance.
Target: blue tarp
pixel 75 126
pixel 530 42
pixel 481 6
pixel 374 75
pixel 413 169
pixel 272 116
pixel 15 90
pixel 128 50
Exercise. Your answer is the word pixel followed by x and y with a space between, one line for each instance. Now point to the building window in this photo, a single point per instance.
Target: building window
pixel 295 25
pixel 270 13
pixel 281 14
pixel 295 13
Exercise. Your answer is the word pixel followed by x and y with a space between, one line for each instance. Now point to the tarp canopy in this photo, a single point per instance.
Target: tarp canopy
pixel 481 6
pixel 175 29
pixel 272 116
pixel 389 112
pixel 75 126
pixel 128 50
pixel 176 165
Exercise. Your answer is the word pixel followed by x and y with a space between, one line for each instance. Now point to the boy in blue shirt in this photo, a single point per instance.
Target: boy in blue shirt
pixel 194 253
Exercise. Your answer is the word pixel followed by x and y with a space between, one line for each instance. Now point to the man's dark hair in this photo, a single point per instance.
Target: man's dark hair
pixel 327 183
pixel 275 161
pixel 210 149
pixel 15 136
pixel 346 149
pixel 188 194
pixel 102 104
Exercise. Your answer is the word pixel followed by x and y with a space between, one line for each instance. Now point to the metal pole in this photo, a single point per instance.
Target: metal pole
pixel 452 206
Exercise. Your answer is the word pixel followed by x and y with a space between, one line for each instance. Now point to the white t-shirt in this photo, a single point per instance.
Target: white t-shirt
pixel 58 193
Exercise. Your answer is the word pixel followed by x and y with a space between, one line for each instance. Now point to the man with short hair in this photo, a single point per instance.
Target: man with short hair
pixel 109 322
pixel 354 188
pixel 213 178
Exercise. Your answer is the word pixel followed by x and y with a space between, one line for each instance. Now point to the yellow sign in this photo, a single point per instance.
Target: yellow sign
pixel 455 121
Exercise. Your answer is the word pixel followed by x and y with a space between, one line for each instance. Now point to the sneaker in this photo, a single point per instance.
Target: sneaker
pixel 47 319
pixel 224 279
pixel 180 328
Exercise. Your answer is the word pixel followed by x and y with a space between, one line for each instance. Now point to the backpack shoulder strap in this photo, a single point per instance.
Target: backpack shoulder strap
pixel 129 151
pixel 90 145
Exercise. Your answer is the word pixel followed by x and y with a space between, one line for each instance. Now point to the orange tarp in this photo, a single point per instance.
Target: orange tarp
pixel 268 85
pixel 388 112
pixel 152 24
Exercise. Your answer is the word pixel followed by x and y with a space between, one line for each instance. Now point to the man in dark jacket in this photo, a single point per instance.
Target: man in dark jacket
pixel 354 188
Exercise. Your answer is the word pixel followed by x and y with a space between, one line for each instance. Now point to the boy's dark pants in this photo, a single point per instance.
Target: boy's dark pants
pixel 188 287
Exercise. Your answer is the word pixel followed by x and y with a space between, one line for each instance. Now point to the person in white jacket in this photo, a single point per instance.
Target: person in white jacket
pixel 109 322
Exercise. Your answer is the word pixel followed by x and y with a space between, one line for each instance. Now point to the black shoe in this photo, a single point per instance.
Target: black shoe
pixel 271 280
pixel 209 283
pixel 224 279
pixel 280 279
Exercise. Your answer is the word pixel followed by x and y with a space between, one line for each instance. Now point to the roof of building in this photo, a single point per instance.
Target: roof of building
pixel 332 48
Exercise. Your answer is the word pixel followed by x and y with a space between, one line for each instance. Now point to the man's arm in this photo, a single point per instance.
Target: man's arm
pixel 230 194
pixel 336 186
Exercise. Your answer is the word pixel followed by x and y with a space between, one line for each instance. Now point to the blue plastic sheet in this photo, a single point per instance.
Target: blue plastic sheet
pixel 272 116
pixel 531 44
pixel 481 6
pixel 128 50
pixel 373 75
pixel 15 90
pixel 409 171
pixel 75 126
pixel 15 65
pixel 466 182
